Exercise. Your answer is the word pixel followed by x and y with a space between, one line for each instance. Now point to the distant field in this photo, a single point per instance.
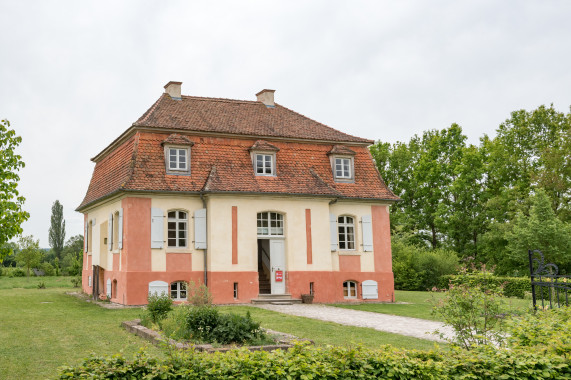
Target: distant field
pixel 418 305
pixel 33 281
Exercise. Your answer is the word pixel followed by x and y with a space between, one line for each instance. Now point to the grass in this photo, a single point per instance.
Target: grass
pixel 42 329
pixel 418 305
pixel 328 333
pixel 33 281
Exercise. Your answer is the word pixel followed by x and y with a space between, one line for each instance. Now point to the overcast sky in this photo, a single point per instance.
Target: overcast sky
pixel 75 74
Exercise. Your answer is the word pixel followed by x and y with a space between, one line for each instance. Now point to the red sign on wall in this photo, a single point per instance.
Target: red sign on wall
pixel 279 276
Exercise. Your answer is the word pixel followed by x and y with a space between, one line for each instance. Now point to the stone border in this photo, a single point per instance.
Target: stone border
pixel 285 341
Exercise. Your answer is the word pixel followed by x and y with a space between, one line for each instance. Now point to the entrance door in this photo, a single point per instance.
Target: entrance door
pixel 277 262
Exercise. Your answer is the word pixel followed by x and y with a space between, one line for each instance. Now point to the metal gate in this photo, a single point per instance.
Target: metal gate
pixel 547 285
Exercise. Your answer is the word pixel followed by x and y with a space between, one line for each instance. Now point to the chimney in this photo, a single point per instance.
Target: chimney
pixel 266 97
pixel 173 89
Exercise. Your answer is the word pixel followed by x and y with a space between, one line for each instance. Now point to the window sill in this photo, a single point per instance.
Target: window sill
pixel 178 250
pixel 348 253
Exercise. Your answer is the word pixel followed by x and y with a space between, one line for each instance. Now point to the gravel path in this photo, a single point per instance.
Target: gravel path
pixel 415 327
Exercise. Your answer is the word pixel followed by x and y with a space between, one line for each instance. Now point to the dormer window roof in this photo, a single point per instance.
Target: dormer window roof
pixel 176 139
pixel 342 163
pixel 177 154
pixel 341 150
pixel 263 146
pixel 264 158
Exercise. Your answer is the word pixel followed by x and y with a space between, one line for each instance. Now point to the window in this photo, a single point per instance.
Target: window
pixel 235 290
pixel 350 289
pixel 270 224
pixel 346 230
pixel 178 290
pixel 177 159
pixel 343 168
pixel 264 164
pixel 177 228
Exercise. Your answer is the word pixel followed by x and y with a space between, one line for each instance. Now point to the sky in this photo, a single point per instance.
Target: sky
pixel 75 74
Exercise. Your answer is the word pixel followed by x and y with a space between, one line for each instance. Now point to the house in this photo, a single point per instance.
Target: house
pixel 248 197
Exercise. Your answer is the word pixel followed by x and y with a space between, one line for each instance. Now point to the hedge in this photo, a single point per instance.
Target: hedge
pixel 512 286
pixel 307 362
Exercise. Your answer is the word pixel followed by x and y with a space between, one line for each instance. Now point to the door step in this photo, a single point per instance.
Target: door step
pixel 276 299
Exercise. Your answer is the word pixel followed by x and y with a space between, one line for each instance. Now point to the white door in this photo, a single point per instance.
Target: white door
pixel 277 262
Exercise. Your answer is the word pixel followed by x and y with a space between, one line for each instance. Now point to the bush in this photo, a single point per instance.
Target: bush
pixel 206 324
pixel 511 286
pixel 48 269
pixel 76 282
pixel 198 295
pixel 15 272
pixel 543 331
pixel 475 313
pixel 158 307
pixel 417 268
pixel 308 362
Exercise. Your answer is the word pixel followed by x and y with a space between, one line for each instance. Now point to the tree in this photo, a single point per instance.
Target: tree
pixel 72 262
pixel 57 229
pixel 11 214
pixel 540 230
pixel 30 253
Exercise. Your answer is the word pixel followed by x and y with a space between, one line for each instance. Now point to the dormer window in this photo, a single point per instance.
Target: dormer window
pixel 264 158
pixel 177 154
pixel 342 163
pixel 178 159
pixel 343 168
pixel 264 163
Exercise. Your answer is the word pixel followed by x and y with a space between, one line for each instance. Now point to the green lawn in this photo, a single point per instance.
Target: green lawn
pixel 418 305
pixel 328 333
pixel 43 329
pixel 33 281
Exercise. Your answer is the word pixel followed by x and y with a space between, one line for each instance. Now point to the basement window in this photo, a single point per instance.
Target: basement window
pixel 349 289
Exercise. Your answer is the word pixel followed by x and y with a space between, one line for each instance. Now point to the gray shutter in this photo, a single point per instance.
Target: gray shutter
pixel 110 232
pixel 367 227
pixel 370 290
pixel 108 288
pixel 157 229
pixel 85 237
pixel 200 229
pixel 120 230
pixel 333 231
pixel 158 288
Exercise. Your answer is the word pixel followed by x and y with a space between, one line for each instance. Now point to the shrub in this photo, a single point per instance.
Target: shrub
pixel 511 286
pixel 41 285
pixel 48 269
pixel 174 325
pixel 76 282
pixel 308 362
pixel 206 324
pixel 418 268
pixel 158 306
pixel 475 313
pixel 543 331
pixel 198 295
pixel 17 272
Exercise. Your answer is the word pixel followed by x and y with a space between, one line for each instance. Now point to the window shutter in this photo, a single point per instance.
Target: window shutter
pixel 333 231
pixel 158 288
pixel 110 232
pixel 370 290
pixel 367 227
pixel 120 232
pixel 108 288
pixel 157 230
pixel 200 229
pixel 85 237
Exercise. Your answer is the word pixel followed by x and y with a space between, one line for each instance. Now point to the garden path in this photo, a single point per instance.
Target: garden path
pixel 415 327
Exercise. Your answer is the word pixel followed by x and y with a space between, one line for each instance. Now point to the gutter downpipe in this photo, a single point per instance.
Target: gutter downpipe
pixel 205 249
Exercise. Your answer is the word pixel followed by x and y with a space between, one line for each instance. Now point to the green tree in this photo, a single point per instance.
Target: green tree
pixel 30 254
pixel 540 230
pixel 11 214
pixel 57 229
pixel 72 262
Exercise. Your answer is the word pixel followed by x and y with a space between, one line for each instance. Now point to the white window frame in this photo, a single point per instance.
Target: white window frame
pixel 177 220
pixel 351 288
pixel 179 288
pixel 272 164
pixel 342 230
pixel 349 174
pixel 177 169
pixel 270 217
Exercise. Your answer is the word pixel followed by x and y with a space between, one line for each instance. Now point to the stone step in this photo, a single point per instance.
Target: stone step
pixel 276 299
